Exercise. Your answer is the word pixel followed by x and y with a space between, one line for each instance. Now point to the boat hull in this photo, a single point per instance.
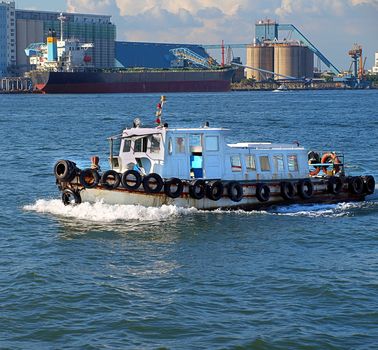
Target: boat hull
pixel 133 81
pixel 249 199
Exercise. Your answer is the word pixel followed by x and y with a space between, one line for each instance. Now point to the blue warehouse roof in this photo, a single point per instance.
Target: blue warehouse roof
pixel 150 55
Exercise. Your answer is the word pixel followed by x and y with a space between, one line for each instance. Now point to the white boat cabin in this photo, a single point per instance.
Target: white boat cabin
pixel 203 153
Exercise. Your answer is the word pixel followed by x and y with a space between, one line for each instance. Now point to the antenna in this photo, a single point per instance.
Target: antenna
pixel 61 18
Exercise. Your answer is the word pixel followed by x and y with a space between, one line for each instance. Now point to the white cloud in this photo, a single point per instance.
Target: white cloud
pixel 364 2
pixel 315 7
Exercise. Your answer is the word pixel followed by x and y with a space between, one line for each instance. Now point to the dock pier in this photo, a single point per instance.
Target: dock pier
pixel 14 85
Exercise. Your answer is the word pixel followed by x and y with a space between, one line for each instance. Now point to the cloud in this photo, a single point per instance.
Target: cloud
pixel 313 7
pixel 364 2
pixel 88 6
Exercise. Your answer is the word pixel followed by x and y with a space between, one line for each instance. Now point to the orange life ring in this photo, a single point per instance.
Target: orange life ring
pixel 331 158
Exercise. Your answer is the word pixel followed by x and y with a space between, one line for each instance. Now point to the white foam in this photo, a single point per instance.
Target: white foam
pixel 318 210
pixel 101 212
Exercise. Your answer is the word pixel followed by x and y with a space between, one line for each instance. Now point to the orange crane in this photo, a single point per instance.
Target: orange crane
pixel 357 61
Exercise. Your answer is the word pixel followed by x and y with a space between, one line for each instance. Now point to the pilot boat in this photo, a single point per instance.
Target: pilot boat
pixel 196 167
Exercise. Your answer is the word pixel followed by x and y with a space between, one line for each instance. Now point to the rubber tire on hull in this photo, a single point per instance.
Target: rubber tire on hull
pixel 214 190
pixel 105 179
pixel 287 190
pixel 369 184
pixel 197 189
pixel 70 197
pixel 148 185
pixel 84 174
pixel 334 185
pixel 262 192
pixel 174 181
pixel 124 180
pixel 65 170
pixel 356 185
pixel 235 191
pixel 305 189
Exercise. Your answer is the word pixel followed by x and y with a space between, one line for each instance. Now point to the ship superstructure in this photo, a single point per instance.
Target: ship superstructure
pixel 59 55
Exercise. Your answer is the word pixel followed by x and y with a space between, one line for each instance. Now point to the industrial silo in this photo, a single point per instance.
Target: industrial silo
pixel 260 56
pixel 309 73
pixel 294 60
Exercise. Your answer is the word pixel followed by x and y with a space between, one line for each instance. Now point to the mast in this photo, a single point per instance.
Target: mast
pixel 61 18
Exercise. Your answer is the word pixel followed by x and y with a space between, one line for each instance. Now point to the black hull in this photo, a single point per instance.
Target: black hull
pixel 133 81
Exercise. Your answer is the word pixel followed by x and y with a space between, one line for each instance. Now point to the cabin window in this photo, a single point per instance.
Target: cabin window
pixel 278 163
pixel 250 162
pixel 195 143
pixel 155 144
pixel 264 163
pixel 292 161
pixel 180 145
pixel 140 145
pixel 236 165
pixel 212 143
pixel 127 145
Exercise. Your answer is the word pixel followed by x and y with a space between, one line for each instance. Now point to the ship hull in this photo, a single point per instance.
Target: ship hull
pixel 133 81
pixel 249 200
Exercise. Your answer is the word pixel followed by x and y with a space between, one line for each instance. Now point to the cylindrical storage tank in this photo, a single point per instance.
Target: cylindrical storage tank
pixel 309 73
pixel 293 60
pixel 260 57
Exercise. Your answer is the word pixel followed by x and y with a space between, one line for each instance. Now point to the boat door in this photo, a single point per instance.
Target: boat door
pixel 212 157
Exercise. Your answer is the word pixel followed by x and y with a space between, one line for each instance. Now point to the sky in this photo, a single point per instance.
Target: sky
pixel 333 26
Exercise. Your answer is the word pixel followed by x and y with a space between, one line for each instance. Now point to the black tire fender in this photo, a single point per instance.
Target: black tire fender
pixel 287 190
pixel 262 192
pixel 197 189
pixel 214 190
pixel 305 188
pixel 70 197
pixel 235 191
pixel 334 185
pixel 65 170
pixel 108 175
pixel 174 181
pixel 90 174
pixel 152 183
pixel 125 180
pixel 356 185
pixel 369 184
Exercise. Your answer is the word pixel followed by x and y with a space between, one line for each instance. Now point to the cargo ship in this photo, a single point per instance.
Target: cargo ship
pixel 130 81
pixel 65 67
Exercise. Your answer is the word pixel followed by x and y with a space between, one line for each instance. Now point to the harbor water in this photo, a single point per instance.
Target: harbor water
pixel 97 276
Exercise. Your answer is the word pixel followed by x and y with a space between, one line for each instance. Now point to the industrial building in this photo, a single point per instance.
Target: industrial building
pixel 283 58
pixel 374 70
pixel 7 37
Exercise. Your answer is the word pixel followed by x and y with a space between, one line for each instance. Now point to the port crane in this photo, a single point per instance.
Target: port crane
pixel 183 53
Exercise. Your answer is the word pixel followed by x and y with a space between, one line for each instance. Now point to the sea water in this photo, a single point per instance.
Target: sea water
pixel 99 276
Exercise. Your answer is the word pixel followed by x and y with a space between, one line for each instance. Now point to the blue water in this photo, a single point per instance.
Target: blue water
pixel 116 277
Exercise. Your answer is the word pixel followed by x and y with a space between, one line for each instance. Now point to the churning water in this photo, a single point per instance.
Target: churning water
pixel 101 276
